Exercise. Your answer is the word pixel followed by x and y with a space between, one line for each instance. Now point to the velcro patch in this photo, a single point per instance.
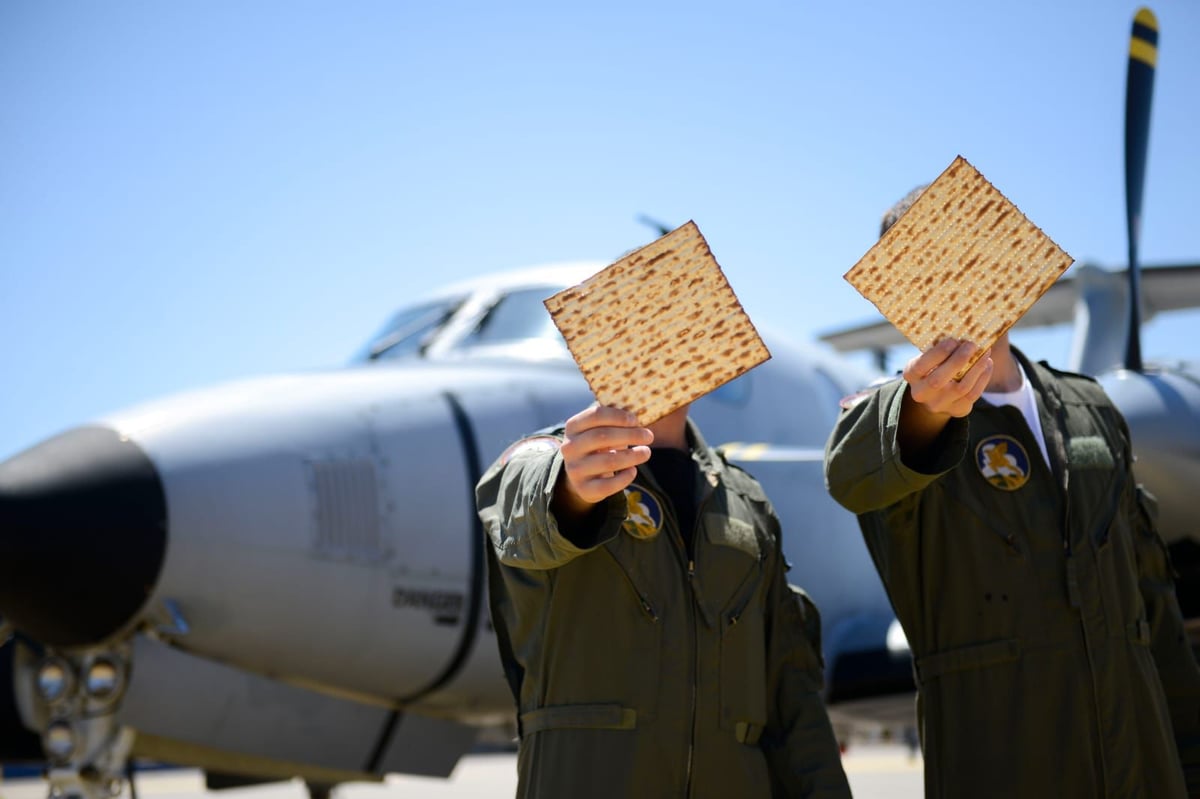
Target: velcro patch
pixel 1089 452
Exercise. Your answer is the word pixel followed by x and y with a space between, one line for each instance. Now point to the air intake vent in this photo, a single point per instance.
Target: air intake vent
pixel 347 509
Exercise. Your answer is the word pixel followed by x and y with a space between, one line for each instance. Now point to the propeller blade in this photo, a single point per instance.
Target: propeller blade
pixel 654 223
pixel 1139 88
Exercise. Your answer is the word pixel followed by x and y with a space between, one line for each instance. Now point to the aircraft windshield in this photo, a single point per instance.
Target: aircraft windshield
pixel 518 316
pixel 410 330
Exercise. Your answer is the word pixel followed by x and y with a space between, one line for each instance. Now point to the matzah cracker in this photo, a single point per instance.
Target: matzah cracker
pixel 963 262
pixel 658 328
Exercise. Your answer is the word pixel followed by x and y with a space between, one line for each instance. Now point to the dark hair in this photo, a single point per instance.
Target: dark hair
pixel 897 210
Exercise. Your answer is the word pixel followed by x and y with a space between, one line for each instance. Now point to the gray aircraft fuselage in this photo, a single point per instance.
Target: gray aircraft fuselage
pixel 286 574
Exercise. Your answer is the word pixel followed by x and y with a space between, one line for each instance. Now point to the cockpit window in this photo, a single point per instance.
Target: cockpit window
pixel 517 316
pixel 410 330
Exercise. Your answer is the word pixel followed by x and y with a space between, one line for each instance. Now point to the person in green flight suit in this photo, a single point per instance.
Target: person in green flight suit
pixel 652 643
pixel 1024 565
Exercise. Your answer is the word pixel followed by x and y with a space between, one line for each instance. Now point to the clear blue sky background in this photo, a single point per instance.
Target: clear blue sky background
pixel 196 191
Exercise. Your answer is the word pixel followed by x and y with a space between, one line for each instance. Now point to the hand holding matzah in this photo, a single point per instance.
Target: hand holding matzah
pixel 601 450
pixel 963 263
pixel 931 381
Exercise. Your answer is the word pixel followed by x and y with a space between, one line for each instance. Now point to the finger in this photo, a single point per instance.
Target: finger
pixel 601 453
pixel 599 416
pixel 943 375
pixel 603 439
pixel 598 489
pixel 970 388
pixel 941 393
pixel 977 378
pixel 587 474
pixel 924 363
pixel 604 463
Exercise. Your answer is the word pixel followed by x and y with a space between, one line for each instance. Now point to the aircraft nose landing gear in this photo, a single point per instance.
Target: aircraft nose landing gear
pixel 74 699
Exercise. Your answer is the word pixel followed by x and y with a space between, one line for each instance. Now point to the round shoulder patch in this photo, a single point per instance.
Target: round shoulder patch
pixel 530 445
pixel 645 518
pixel 1003 462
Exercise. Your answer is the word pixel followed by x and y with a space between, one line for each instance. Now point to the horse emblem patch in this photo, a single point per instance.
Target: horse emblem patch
pixel 1003 462
pixel 645 519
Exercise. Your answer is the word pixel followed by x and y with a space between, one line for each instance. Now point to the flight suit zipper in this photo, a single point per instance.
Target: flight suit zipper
pixel 691 573
pixel 692 613
pixel 687 559
pixel 1074 592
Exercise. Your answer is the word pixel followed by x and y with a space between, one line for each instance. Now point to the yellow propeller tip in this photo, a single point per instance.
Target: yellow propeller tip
pixel 1146 17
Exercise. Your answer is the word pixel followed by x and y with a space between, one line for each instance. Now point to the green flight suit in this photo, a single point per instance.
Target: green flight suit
pixel 638 673
pixel 1037 601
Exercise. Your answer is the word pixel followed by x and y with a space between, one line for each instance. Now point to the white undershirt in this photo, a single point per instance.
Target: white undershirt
pixel 1023 400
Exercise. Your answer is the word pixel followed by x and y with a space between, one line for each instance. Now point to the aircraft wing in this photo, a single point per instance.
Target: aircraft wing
pixel 1164 288
pixel 1171 288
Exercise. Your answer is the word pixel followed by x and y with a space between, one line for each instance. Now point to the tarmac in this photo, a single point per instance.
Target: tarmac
pixel 875 770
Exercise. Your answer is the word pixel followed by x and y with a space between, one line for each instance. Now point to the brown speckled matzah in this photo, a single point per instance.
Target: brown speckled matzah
pixel 963 262
pixel 658 328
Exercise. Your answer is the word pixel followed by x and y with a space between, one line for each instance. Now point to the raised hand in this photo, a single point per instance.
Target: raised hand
pixel 601 450
pixel 934 397
pixel 931 383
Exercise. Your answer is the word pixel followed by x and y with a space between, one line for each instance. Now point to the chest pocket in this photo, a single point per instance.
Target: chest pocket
pixel 730 581
pixel 1012 522
pixel 729 567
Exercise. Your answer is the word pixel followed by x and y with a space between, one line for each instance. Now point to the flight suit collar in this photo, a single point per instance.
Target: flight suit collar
pixel 1050 411
pixel 710 466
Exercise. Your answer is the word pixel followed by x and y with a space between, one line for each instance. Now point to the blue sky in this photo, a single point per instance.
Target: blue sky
pixel 193 192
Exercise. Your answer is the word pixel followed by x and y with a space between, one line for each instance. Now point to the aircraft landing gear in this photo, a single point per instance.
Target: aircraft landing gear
pixel 320 790
pixel 103 778
pixel 74 700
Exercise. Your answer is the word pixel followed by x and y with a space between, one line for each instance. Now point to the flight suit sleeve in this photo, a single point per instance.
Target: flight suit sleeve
pixel 513 499
pixel 1173 655
pixel 863 468
pixel 802 752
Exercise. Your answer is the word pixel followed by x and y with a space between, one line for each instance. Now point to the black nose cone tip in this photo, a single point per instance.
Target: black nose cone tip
pixel 83 531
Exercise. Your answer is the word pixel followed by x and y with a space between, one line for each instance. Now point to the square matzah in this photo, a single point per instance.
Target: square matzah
pixel 658 328
pixel 963 262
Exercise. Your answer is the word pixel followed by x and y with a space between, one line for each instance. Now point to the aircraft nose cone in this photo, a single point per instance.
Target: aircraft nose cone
pixel 83 529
